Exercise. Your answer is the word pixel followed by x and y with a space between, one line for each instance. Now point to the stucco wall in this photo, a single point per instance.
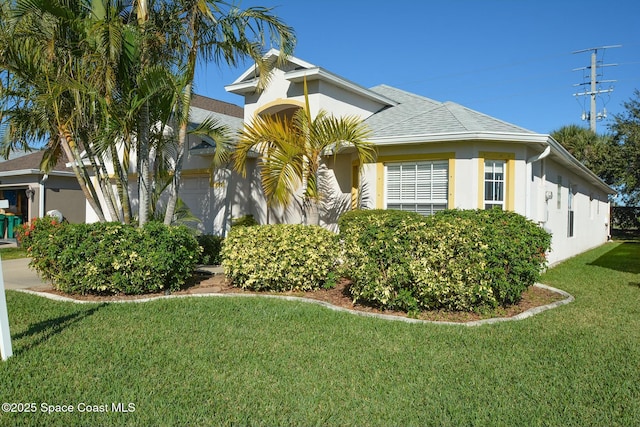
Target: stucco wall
pixel 528 187
pixel 323 95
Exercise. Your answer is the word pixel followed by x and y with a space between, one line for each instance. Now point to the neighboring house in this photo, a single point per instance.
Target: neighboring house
pixel 431 156
pixel 32 193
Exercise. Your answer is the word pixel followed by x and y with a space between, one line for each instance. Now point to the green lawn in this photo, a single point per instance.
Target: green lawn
pixel 254 361
pixel 12 253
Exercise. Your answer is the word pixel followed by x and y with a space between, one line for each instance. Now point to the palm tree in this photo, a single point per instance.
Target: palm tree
pixel 101 80
pixel 597 152
pixel 47 95
pixel 291 151
pixel 213 30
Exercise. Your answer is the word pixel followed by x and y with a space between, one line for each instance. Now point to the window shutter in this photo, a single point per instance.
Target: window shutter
pixel 393 182
pixel 440 182
pixel 419 187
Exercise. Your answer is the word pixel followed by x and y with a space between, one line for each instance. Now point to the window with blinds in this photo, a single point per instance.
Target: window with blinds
pixel 419 187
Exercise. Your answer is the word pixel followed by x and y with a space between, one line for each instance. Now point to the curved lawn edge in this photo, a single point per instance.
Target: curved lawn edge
pixel 525 314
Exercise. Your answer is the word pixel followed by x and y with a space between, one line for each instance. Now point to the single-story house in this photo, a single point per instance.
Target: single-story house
pixel 431 156
pixel 32 193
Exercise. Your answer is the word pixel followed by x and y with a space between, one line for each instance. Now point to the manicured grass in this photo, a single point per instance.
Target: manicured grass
pixel 12 253
pixel 254 361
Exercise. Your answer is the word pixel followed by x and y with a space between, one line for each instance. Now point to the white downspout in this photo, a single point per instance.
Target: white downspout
pixel 41 196
pixel 527 188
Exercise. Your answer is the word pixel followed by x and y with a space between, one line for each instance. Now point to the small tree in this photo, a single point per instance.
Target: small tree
pixel 291 150
pixel 626 134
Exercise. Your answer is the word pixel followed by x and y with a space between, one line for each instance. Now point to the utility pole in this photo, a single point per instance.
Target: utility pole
pixel 593 83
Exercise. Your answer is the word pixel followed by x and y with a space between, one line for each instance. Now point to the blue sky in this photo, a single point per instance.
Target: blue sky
pixel 510 59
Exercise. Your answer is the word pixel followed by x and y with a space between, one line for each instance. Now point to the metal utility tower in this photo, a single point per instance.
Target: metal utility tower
pixel 594 89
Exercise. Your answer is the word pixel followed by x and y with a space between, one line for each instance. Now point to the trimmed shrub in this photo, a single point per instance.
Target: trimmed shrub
pixel 448 267
pixel 281 257
pixel 515 253
pixel 211 246
pixel 111 258
pixel 454 260
pixel 377 251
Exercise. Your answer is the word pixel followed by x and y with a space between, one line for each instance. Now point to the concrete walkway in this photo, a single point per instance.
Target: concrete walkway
pixel 18 275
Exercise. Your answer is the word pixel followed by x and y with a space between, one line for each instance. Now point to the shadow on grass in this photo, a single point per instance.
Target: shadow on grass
pixel 624 257
pixel 40 332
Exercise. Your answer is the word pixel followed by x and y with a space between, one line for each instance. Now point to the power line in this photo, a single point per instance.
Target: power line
pixel 594 82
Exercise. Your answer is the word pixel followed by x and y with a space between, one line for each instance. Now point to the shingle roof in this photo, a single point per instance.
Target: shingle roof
pixel 31 162
pixel 217 106
pixel 417 115
pixel 226 114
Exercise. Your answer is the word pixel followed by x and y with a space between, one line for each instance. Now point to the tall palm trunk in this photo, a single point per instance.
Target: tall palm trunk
pixel 66 141
pixel 144 184
pixel 312 199
pixel 184 123
pixel 102 176
pixel 122 181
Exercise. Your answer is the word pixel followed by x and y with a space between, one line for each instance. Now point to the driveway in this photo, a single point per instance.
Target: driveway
pixel 18 275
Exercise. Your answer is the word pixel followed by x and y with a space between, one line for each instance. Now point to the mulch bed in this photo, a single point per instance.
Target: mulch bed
pixel 338 296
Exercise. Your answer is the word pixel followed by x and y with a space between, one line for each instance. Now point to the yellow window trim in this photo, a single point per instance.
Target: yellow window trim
pixel 450 156
pixel 510 159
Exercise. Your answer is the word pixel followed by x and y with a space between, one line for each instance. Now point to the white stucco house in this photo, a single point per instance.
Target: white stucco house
pixel 430 156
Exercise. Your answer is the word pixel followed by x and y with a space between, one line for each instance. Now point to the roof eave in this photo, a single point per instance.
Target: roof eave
pixel 318 73
pixel 242 87
pixel 517 138
pixel 23 172
pixel 461 136
pixel 569 160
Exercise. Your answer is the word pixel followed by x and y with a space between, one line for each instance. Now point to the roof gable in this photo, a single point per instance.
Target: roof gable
pixel 296 71
pixel 273 55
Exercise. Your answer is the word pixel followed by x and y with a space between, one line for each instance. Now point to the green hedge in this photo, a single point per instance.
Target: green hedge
pixel 516 249
pixel 111 258
pixel 280 257
pixel 454 260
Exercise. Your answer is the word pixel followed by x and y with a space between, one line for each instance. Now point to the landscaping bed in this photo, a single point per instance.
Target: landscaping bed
pixel 338 296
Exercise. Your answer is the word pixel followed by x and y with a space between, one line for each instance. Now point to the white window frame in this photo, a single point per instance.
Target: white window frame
pixel 498 184
pixel 423 186
pixel 559 193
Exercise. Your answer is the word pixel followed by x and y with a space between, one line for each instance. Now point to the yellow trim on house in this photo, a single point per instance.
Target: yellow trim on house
pixel 355 183
pixel 379 185
pixel 279 101
pixel 450 156
pixel 194 172
pixel 451 204
pixel 510 182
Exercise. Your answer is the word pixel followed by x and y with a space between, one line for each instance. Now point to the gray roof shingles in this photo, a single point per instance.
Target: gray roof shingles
pixel 416 115
pixel 32 161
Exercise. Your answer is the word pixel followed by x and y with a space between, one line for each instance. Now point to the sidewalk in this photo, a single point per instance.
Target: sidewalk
pixel 18 275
